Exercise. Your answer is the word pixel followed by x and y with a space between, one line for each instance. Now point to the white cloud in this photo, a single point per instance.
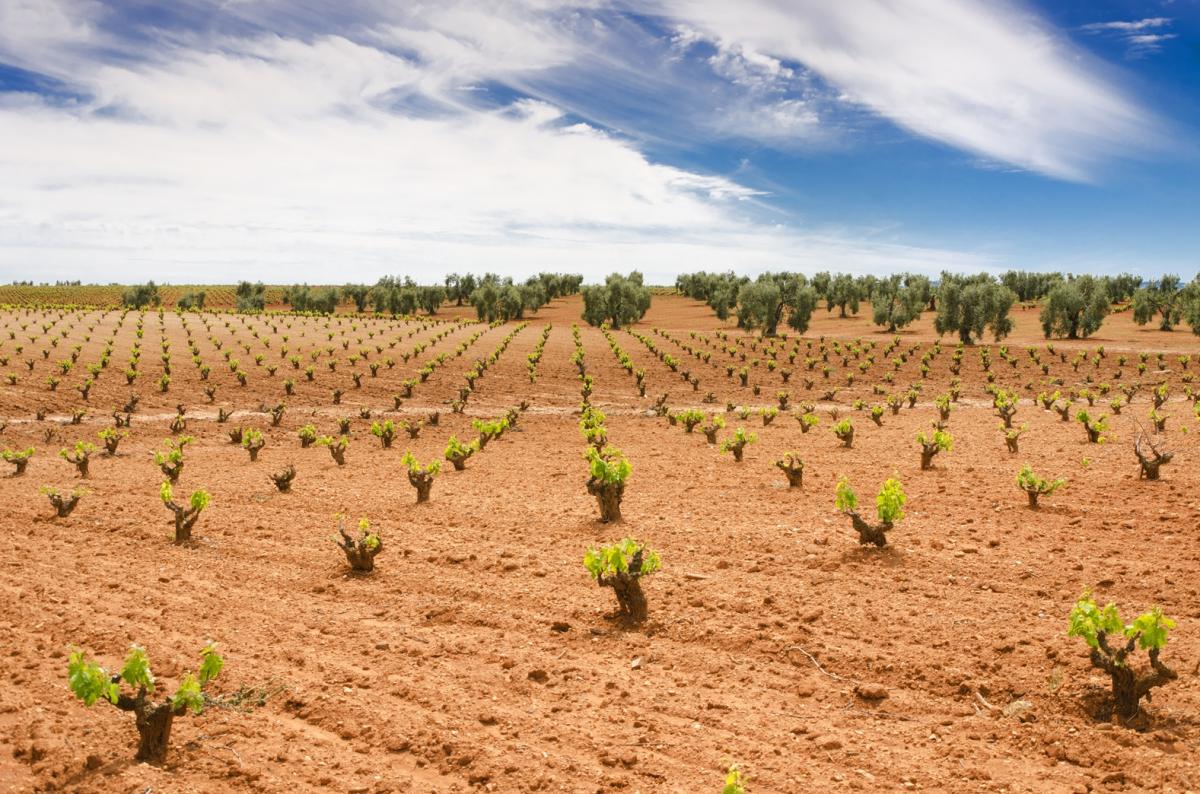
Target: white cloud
pixel 300 145
pixel 1134 33
pixel 985 77
pixel 29 29
pixel 1133 26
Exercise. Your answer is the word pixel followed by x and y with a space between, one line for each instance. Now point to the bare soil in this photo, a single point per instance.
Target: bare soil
pixel 479 655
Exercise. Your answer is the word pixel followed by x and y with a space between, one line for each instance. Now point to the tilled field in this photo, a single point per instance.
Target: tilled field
pixel 480 655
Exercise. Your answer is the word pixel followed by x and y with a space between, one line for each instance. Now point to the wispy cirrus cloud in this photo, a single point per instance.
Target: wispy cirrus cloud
pixel 985 77
pixel 1138 34
pixel 514 136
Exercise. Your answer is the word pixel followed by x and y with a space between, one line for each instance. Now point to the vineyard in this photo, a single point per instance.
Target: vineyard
pixel 429 553
pixel 218 296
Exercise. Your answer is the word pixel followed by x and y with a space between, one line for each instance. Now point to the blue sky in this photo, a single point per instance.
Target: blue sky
pixel 209 140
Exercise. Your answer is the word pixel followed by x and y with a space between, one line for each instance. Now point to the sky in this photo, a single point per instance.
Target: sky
pixel 206 141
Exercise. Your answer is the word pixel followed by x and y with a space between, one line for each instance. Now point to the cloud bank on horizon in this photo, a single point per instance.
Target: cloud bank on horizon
pixel 296 140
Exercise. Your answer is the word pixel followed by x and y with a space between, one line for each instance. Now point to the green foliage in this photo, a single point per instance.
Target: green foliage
pixel 608 466
pixel 969 306
pixel 738 440
pixel 1030 286
pixel 1090 621
pixel 766 302
pixel 939 439
pixel 192 299
pixel 199 499
pixel 136 670
pixel 621 300
pixel 188 695
pixel 251 297
pixel 81 451
pixel 733 782
pixel 719 291
pixel 17 455
pixel 898 300
pixel 689 418
pixel 410 462
pixel 89 681
pixel 385 431
pixel 1095 427
pixel 140 296
pixel 1075 308
pixel 211 663
pixel 303 298
pixel 889 501
pixel 1165 298
pixel 844 496
pixel 456 450
pixel 1028 481
pixel 844 293
pixel 605 561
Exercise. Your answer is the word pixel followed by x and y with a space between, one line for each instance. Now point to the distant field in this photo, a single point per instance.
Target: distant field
pixel 217 296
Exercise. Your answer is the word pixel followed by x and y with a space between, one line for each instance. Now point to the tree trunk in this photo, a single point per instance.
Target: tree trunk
pixel 423 489
pixel 630 597
pixel 1033 499
pixel 183 525
pixel 154 732
pixel 869 534
pixel 795 477
pixel 927 454
pixel 608 497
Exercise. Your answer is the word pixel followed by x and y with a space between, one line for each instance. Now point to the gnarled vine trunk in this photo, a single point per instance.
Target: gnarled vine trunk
pixel 153 721
pixel 608 497
pixel 870 534
pixel 795 476
pixel 185 519
pixel 1128 688
pixel 424 484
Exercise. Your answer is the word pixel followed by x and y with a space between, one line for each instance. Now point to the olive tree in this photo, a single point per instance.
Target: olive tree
pixel 898 300
pixel 359 293
pixel 141 295
pixel 762 303
pixel 251 297
pixel 1162 298
pixel 843 293
pixel 1190 304
pixel 1075 308
pixel 970 305
pixel 718 290
pixel 620 300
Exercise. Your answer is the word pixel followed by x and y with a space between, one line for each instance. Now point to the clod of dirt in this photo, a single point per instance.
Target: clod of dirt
pixel 1021 709
pixel 871 691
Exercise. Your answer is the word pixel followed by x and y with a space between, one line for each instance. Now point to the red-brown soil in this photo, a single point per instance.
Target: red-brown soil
pixel 479 654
